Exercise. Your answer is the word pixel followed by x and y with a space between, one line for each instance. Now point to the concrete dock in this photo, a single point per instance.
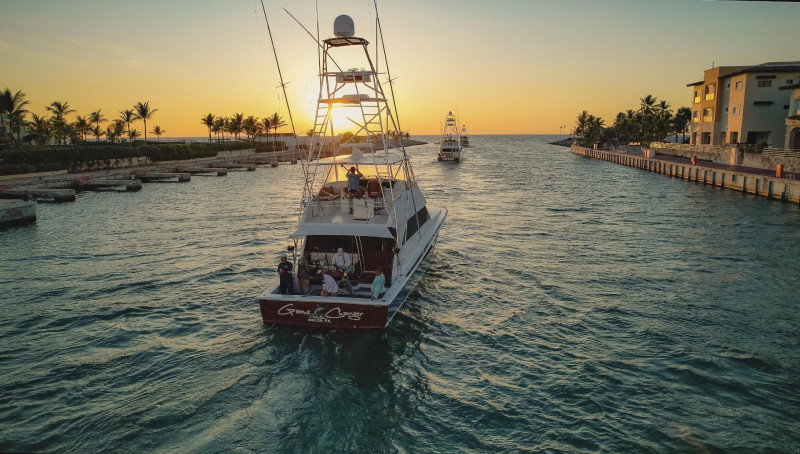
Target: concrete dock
pixel 150 177
pixel 109 185
pixel 41 195
pixel 15 212
pixel 759 182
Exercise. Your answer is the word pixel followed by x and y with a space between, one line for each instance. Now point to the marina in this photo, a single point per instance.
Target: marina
pixel 168 285
pixel 760 182
pixel 638 322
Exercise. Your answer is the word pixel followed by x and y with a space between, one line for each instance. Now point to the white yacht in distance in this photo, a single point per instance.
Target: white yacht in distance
pixel 464 137
pixel 347 235
pixel 449 143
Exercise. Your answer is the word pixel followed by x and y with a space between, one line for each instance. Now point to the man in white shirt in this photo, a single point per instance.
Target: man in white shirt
pixel 341 260
pixel 329 285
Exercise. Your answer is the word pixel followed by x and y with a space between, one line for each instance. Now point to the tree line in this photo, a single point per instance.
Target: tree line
pixel 652 122
pixel 238 124
pixel 57 127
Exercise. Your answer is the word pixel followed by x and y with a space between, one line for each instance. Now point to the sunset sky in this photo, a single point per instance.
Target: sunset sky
pixel 504 66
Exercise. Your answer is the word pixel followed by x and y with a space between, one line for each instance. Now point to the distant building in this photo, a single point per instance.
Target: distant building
pixel 793 117
pixel 743 104
pixel 9 133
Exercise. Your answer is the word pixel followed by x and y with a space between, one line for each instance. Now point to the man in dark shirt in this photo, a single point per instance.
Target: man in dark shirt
pixel 285 272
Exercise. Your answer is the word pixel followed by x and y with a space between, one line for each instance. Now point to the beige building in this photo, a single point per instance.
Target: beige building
pixel 743 104
pixel 793 117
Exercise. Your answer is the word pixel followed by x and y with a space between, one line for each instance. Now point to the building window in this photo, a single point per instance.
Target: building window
pixel 708 115
pixel 697 96
pixel 789 81
pixel 762 103
pixel 737 110
pixel 738 85
pixel 695 117
pixel 734 136
pixel 764 83
pixel 710 90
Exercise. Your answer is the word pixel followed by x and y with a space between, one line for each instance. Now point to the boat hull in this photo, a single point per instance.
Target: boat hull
pixel 337 313
pixel 322 314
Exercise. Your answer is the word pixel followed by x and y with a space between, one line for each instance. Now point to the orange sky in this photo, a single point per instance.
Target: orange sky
pixel 505 67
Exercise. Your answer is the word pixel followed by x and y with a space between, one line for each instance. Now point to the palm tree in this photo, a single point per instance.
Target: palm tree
pixel 236 125
pixel 681 121
pixel 277 122
pixel 96 117
pixel 648 106
pixel 158 131
pixel 143 112
pixel 82 126
pixel 60 110
pixel 134 134
pixel 310 132
pixel 219 127
pixel 96 131
pixel 266 124
pixel 115 130
pixel 128 117
pixel 40 127
pixel 250 126
pixel 12 106
pixel 208 120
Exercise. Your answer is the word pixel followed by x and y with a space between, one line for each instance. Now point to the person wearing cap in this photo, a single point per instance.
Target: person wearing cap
pixel 285 273
pixel 378 284
pixel 341 260
pixel 329 285
pixel 304 272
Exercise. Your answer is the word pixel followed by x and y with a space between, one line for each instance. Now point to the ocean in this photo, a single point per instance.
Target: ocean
pixel 572 305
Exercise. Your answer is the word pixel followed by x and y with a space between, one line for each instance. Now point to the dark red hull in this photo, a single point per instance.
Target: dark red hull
pixel 321 314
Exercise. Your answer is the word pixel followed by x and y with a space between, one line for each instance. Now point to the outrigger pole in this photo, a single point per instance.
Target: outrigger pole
pixel 283 87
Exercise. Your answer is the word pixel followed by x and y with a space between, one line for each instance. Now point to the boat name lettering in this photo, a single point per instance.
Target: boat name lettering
pixel 334 313
pixel 337 312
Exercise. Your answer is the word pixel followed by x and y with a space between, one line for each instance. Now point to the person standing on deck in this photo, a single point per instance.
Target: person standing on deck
pixel 341 260
pixel 378 284
pixel 329 285
pixel 304 272
pixel 285 273
pixel 353 178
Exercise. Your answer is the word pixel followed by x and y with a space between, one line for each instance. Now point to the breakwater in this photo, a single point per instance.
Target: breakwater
pixel 754 181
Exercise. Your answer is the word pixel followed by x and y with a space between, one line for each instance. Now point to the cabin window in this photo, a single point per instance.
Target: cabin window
pixel 415 222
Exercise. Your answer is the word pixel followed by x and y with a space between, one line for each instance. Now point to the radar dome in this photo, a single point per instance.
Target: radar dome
pixel 343 27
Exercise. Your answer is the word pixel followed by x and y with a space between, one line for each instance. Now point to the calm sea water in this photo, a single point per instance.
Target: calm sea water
pixel 572 306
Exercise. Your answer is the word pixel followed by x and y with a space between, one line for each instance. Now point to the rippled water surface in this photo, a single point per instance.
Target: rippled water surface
pixel 572 305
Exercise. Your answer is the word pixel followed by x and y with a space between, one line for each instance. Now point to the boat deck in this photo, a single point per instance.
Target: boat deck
pixel 345 210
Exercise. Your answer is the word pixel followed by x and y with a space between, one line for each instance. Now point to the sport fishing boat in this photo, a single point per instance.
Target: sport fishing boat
pixel 449 144
pixel 464 137
pixel 384 222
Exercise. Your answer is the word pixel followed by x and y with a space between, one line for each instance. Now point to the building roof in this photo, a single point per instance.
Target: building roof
pixel 768 67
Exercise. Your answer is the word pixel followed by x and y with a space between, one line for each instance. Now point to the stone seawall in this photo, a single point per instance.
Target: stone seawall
pixel 758 184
